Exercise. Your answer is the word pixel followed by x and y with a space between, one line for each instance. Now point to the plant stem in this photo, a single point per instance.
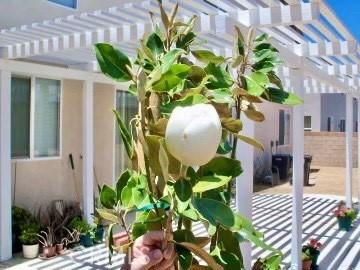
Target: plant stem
pixel 179 226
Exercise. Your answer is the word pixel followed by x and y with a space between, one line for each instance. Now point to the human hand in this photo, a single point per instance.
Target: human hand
pixel 148 254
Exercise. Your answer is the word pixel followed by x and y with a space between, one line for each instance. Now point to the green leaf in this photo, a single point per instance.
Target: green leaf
pixel 221 95
pixel 224 147
pixel 210 182
pixel 108 216
pixel 183 189
pixel 231 124
pixel 184 236
pixel 127 197
pixel 122 182
pixel 110 240
pixel 107 197
pixel 256 83
pixel 222 166
pixel 113 62
pixel 188 100
pixel 125 135
pixel 207 57
pixel 279 96
pixel 250 141
pixel 174 76
pixel 170 58
pixel 184 41
pixel 191 214
pixel 261 38
pixel 240 42
pixel 185 257
pixel 220 77
pixel 155 44
pixel 214 212
pixel 255 115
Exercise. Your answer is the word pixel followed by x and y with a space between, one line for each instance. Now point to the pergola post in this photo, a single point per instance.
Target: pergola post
pixel 244 183
pixel 88 151
pixel 349 144
pixel 298 171
pixel 358 154
pixel 5 166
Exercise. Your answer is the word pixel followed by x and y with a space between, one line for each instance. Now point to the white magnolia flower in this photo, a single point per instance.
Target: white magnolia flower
pixel 193 134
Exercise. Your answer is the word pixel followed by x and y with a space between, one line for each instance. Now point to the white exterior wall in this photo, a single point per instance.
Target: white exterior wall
pixel 312 107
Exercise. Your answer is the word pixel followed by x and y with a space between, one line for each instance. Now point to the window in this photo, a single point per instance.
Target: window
pixel 35 117
pixel 47 118
pixel 342 125
pixel 66 3
pixel 127 106
pixel 284 127
pixel 20 117
pixel 307 123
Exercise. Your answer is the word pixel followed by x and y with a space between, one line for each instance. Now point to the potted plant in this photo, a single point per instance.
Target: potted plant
pixel 312 250
pixel 47 240
pixel 345 216
pixel 306 261
pixel 181 164
pixel 99 230
pixel 86 231
pixel 30 241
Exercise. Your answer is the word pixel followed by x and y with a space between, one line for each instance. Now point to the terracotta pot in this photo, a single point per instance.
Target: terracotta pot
pixel 49 251
pixel 30 251
pixel 306 265
pixel 59 248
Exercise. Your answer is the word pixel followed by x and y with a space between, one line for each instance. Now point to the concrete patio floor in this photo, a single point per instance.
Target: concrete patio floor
pixel 272 216
pixel 323 180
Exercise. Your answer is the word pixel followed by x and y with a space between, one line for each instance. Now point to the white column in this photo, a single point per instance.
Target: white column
pixel 348 135
pixel 88 151
pixel 358 156
pixel 5 166
pixel 244 183
pixel 298 171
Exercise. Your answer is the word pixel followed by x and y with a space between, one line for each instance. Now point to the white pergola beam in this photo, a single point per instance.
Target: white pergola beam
pixel 300 13
pixel 5 166
pixel 326 48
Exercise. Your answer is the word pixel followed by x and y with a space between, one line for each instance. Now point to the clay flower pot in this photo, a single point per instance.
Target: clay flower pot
pixel 193 134
pixel 306 265
pixel 49 251
pixel 59 248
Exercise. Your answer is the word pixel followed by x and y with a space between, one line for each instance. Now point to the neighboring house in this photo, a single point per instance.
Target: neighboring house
pixel 326 112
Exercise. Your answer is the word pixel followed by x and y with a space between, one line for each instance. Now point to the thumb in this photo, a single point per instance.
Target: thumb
pixel 145 262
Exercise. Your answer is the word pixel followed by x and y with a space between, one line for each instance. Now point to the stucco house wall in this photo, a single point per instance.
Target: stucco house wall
pixel 268 131
pixel 37 182
pixel 312 105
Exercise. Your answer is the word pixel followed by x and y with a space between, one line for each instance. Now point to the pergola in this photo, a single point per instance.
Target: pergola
pixel 320 56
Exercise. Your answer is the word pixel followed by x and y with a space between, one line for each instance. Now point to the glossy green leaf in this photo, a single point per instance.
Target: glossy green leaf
pixel 185 257
pixel 125 135
pixel 214 212
pixel 183 189
pixel 210 182
pixel 188 100
pixel 279 96
pixel 170 58
pixel 224 147
pixel 122 182
pixel 155 44
pixel 108 216
pixel 240 42
pixel 184 41
pixel 113 62
pixel 191 214
pixel 222 166
pixel 207 57
pixel 108 197
pixel 184 236
pixel 174 76
pixel 231 124
pixel 220 77
pixel 256 83
pixel 221 95
pixel 110 240
pixel 250 141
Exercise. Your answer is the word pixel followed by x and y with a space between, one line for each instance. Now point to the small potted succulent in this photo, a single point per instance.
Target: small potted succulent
pixel 306 261
pixel 345 216
pixel 47 239
pixel 312 250
pixel 30 241
pixel 86 231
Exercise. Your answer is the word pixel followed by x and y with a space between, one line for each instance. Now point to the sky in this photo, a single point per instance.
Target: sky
pixel 348 11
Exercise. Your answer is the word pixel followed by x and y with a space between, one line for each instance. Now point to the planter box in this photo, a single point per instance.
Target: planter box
pixel 30 251
pixel 344 223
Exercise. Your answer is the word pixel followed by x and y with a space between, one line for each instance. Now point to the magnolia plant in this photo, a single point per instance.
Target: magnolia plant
pixel 182 143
